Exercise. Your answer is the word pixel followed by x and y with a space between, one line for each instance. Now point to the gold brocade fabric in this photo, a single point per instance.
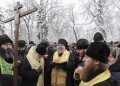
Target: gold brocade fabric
pixel 35 63
pixel 58 76
pixel 100 78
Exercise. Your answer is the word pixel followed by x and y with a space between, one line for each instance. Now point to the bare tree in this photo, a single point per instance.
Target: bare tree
pixel 1 22
pixel 29 19
pixel 9 11
pixel 73 18
pixel 25 21
pixel 97 12
pixel 57 26
pixel 47 12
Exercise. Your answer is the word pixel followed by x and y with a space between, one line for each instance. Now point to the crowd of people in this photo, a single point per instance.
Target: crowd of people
pixel 60 63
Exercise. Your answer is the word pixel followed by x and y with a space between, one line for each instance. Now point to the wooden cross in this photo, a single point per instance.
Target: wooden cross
pixel 17 24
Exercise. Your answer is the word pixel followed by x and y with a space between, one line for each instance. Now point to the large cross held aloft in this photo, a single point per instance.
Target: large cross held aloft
pixel 17 24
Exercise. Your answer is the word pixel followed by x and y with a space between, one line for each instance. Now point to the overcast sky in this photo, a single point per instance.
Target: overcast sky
pixel 5 4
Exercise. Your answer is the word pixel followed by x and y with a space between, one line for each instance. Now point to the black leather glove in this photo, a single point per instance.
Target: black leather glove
pixel 39 70
pixel 52 64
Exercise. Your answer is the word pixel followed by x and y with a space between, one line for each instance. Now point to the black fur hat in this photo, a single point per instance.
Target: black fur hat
pixel 41 49
pixel 21 43
pixel 45 42
pixel 64 42
pixel 31 42
pixel 98 37
pixel 98 51
pixel 82 44
pixel 5 39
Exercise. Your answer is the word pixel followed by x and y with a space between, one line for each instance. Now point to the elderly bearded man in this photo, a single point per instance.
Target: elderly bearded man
pixel 63 65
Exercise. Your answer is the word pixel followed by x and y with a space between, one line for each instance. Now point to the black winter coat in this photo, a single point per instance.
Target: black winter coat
pixel 115 72
pixel 29 75
pixel 47 68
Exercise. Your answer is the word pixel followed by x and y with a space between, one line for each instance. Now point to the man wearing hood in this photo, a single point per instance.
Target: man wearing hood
pixel 6 61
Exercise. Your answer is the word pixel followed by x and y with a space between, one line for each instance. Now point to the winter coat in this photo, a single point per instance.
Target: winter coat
pixel 47 68
pixel 115 72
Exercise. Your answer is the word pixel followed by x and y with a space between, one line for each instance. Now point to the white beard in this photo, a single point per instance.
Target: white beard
pixel 60 51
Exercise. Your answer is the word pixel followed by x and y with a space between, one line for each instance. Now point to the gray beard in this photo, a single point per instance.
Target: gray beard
pixel 7 55
pixel 60 51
